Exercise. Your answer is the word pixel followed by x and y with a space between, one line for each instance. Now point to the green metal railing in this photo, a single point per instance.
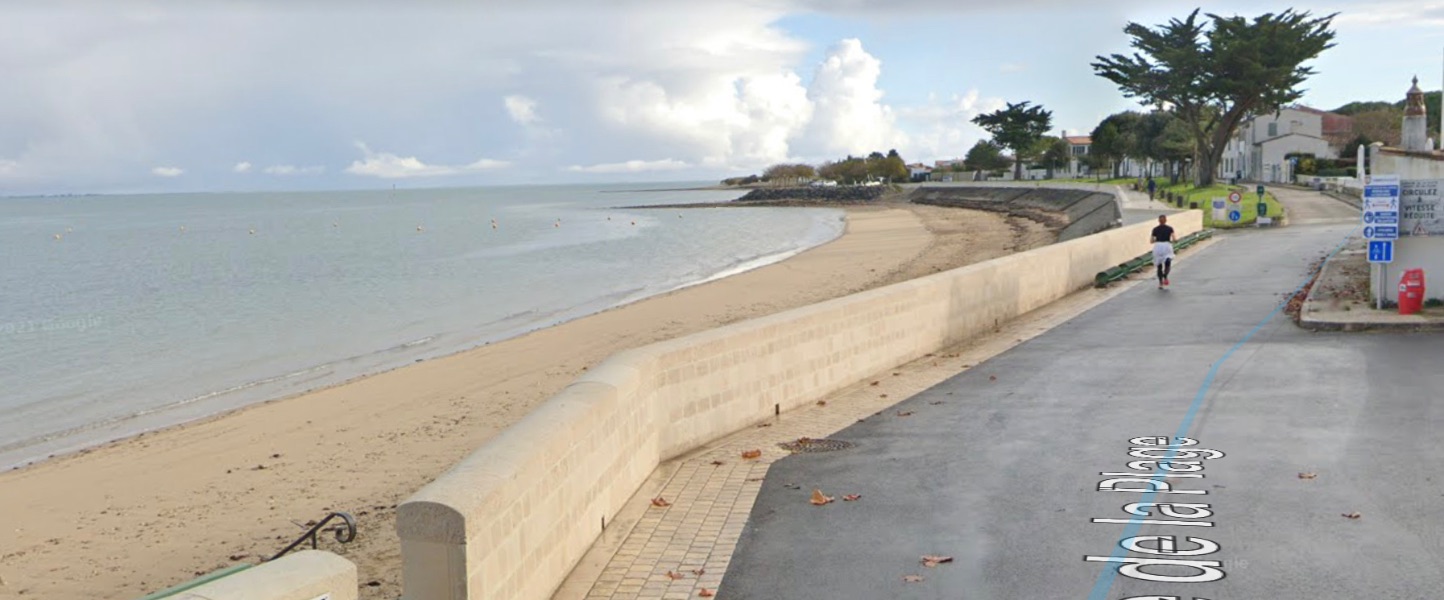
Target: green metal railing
pixel 1119 272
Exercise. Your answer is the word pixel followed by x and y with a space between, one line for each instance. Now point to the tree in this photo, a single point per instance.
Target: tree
pixel 1114 139
pixel 1018 127
pixel 1054 152
pixel 1213 78
pixel 1351 149
pixel 1384 125
pixel 985 156
pixel 789 174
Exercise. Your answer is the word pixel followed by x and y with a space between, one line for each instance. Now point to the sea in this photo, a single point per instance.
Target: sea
pixel 120 314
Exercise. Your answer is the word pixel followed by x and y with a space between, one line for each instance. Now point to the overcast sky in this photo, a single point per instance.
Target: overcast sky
pixel 203 95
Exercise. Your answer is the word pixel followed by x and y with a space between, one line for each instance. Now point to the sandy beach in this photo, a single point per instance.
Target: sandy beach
pixel 142 514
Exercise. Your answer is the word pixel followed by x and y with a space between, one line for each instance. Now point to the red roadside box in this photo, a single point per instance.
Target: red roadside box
pixel 1411 291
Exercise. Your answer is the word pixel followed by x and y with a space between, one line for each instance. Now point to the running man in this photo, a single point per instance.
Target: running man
pixel 1163 239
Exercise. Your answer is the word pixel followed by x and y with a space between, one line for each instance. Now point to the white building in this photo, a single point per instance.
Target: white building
pixel 1421 170
pixel 1259 150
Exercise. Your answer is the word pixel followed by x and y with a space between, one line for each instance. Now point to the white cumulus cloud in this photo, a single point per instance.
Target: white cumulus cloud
pixel 631 166
pixel 390 166
pixel 167 171
pixel 945 128
pixel 242 167
pixel 522 109
pixel 848 113
pixel 293 170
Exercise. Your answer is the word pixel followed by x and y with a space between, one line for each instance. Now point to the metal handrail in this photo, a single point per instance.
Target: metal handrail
pixel 345 532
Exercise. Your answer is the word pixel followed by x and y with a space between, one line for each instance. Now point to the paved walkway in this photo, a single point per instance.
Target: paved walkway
pixel 677 550
pixel 1316 481
pixel 1307 207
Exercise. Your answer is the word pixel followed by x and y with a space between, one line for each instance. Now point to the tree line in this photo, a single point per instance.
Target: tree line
pixel 889 168
pixel 1203 77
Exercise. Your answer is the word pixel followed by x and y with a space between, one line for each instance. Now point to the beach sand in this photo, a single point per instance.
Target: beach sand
pixel 142 514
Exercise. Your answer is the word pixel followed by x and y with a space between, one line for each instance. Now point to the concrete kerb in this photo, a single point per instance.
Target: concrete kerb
pixel 1313 318
pixel 522 510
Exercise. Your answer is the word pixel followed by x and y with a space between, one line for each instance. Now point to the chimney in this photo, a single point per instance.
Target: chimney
pixel 1416 123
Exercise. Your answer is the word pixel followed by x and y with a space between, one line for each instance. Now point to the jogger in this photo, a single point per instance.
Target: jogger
pixel 1162 240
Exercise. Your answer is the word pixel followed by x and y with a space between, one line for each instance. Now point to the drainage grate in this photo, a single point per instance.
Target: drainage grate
pixel 814 445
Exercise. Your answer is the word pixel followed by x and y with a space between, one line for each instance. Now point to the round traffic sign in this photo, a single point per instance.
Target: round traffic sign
pixel 1368 217
pixel 1235 197
pixel 1234 216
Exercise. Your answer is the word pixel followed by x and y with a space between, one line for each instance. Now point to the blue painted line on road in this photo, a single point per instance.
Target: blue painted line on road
pixel 1104 584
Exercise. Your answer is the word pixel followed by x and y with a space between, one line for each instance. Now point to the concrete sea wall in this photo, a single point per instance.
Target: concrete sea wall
pixel 511 520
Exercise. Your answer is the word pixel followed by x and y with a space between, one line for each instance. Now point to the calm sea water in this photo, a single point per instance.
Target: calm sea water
pixel 155 309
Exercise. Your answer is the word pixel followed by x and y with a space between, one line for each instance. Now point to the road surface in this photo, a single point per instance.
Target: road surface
pixel 1023 468
pixel 1306 207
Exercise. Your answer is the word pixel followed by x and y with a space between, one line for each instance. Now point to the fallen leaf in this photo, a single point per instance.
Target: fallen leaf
pixel 882 395
pixel 818 499
pixel 1308 475
pixel 822 403
pixel 875 383
pixel 751 454
pixel 675 576
pixel 912 578
pixel 896 374
pixel 754 479
pixel 905 413
pixel 764 425
pixel 699 571
pixel 936 402
pixel 933 561
pixel 660 502
pixel 717 463
pixel 851 497
pixel 992 378
pixel 804 440
pixel 705 593
pixel 1352 515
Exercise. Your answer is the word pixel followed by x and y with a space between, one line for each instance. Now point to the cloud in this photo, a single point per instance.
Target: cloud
pixel 848 114
pixel 945 126
pixel 293 170
pixel 167 171
pixel 521 109
pixel 632 166
pixel 390 166
pixel 1425 13
pixel 721 86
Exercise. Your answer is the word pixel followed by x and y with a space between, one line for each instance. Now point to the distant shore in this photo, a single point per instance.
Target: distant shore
pixel 122 519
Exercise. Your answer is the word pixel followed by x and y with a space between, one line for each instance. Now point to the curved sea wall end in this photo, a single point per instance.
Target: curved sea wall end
pixel 511 520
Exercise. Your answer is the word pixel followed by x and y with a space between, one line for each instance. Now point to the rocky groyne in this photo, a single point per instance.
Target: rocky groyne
pixel 841 193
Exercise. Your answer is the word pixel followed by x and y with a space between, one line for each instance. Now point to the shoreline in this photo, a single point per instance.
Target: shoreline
pixel 123 517
pixel 34 452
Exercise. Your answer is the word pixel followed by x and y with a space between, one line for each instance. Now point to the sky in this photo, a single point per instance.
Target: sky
pixel 204 95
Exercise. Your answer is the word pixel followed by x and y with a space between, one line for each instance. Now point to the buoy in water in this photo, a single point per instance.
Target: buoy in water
pixel 253 232
pixel 418 228
pixel 57 236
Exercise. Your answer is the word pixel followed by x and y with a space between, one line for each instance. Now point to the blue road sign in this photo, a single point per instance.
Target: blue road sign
pixel 1381 251
pixel 1234 216
pixel 1381 232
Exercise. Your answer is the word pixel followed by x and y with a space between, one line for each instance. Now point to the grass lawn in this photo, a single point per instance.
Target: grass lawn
pixel 1115 181
pixel 1204 197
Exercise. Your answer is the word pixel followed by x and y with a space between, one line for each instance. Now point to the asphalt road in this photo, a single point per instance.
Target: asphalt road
pixel 1004 467
pixel 1313 208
